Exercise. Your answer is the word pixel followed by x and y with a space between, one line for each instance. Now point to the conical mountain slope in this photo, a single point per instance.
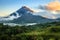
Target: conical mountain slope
pixel 28 17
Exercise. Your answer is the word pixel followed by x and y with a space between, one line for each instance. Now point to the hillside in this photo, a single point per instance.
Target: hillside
pixel 47 31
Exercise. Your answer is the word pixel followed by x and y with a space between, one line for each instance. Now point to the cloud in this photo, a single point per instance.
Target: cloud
pixel 52 10
pixel 43 7
pixel 54 6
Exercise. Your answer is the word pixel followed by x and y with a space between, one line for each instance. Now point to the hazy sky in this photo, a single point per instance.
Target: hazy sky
pixel 9 6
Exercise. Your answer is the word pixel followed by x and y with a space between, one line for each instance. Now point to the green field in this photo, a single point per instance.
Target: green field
pixel 46 31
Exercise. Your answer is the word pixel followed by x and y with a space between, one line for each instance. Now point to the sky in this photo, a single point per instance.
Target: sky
pixel 10 6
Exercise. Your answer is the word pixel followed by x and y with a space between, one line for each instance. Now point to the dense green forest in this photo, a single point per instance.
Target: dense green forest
pixel 46 31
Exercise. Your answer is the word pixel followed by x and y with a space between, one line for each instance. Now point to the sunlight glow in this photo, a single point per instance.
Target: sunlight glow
pixel 55 6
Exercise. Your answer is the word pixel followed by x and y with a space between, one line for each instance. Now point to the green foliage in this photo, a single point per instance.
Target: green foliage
pixel 46 31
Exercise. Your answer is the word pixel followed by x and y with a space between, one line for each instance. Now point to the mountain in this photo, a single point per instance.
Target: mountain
pixel 22 10
pixel 25 15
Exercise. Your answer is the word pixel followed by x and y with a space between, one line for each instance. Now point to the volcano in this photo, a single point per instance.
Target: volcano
pixel 25 15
